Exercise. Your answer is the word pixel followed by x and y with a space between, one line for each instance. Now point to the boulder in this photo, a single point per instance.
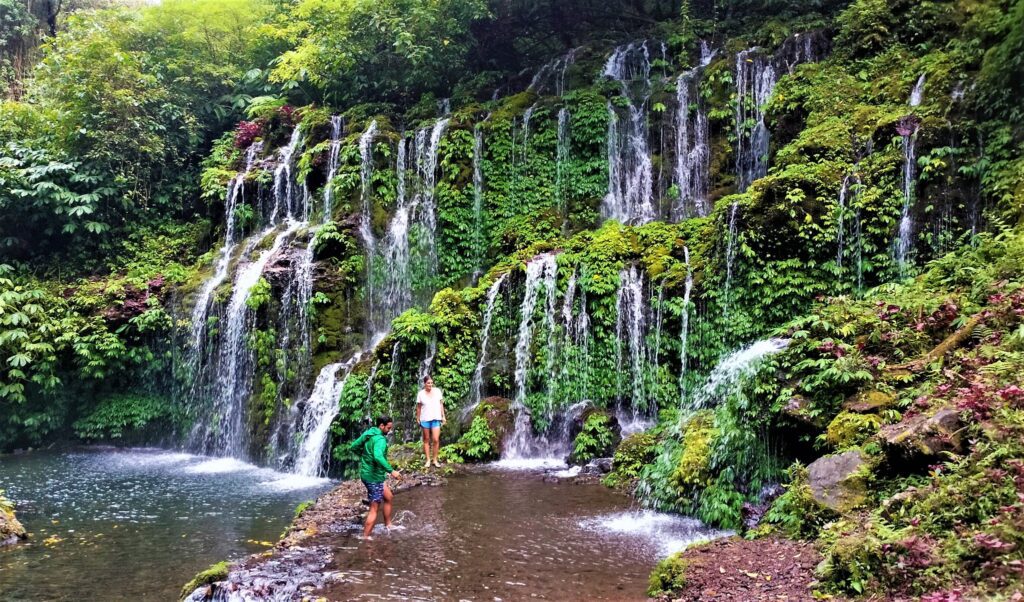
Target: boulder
pixel 838 482
pixel 923 437
pixel 495 410
pixel 11 531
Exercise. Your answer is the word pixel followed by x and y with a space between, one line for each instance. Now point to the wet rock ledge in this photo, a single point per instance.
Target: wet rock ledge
pixel 296 565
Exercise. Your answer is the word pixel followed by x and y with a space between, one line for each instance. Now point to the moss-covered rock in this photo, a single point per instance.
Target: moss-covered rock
pixel 11 530
pixel 633 453
pixel 839 482
pixel 923 437
pixel 849 429
pixel 217 572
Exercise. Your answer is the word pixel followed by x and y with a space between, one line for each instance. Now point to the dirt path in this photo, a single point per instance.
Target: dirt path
pixel 738 570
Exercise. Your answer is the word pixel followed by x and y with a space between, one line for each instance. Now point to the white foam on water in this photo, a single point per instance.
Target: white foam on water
pixel 220 465
pixel 145 458
pixel 669 533
pixel 568 473
pixel 529 464
pixel 293 482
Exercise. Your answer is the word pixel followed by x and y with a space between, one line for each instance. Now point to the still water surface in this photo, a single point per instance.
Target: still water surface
pixel 136 524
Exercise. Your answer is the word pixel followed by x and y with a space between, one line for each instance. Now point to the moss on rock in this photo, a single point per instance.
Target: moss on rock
pixel 217 572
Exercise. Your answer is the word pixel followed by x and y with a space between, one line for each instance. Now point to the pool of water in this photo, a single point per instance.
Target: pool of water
pixel 508 535
pixel 109 524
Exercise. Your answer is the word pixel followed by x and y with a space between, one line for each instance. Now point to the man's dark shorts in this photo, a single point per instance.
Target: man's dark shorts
pixel 375 491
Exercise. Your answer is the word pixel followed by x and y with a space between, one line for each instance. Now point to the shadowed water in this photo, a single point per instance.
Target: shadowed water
pixel 136 524
pixel 509 536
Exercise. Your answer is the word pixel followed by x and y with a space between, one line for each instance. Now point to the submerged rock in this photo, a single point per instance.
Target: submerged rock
pixel 923 437
pixel 838 482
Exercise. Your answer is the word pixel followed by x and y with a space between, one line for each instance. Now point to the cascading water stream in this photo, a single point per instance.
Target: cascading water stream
pixel 318 412
pixel 685 328
pixel 755 81
pixel 630 169
pixel 693 151
pixel 540 272
pixel 908 131
pixel 201 309
pixel 562 148
pixel 284 184
pixel 476 385
pixel 630 322
pixel 337 124
pixel 234 365
pixel 478 201
pixel 733 370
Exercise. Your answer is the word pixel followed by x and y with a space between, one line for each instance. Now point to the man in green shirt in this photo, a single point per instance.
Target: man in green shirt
pixel 374 469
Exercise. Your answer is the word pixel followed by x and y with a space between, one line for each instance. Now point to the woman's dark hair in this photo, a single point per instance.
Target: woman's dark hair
pixel 426 378
pixel 384 419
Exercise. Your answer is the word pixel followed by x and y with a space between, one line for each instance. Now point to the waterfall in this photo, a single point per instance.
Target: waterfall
pixel 840 215
pixel 630 322
pixel 476 386
pixel 907 128
pixel 728 376
pixel 693 151
pixel 630 170
pixel 478 200
pixel 284 184
pixel 554 70
pixel 425 202
pixel 200 310
pixel 685 329
pixel 332 166
pixel 527 116
pixel 396 290
pixel 561 158
pixel 369 388
pixel 755 81
pixel 541 271
pixel 234 365
pixel 917 94
pixel 365 175
pixel 444 106
pixel 318 412
pixel 730 256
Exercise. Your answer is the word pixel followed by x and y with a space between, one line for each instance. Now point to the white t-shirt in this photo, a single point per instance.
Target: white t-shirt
pixel 431 404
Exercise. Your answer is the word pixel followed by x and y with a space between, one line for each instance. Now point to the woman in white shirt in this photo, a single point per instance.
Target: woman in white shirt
pixel 430 415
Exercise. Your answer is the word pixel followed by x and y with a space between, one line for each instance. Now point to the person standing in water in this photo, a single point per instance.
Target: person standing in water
pixel 430 415
pixel 374 469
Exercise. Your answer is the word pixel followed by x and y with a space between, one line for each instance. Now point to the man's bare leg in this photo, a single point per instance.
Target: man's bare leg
pixel 387 505
pixel 371 518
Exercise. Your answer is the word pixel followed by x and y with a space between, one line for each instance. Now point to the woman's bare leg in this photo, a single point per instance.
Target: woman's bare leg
pixel 435 435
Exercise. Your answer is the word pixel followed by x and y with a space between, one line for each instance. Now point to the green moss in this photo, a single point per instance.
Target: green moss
pixel 632 454
pixel 795 512
pixel 668 577
pixel 217 572
pixel 692 470
pixel 850 429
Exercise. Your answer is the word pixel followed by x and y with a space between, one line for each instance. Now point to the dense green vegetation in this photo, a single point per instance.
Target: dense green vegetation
pixel 126 129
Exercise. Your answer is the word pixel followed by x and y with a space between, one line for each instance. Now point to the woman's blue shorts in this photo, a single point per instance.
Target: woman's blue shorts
pixel 429 424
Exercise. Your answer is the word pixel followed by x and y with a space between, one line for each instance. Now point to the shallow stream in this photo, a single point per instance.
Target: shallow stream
pixel 137 524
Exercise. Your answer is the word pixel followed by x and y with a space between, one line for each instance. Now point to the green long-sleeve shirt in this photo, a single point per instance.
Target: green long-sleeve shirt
pixel 373 455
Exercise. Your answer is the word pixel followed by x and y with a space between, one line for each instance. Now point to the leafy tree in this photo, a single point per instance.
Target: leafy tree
pixel 366 50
